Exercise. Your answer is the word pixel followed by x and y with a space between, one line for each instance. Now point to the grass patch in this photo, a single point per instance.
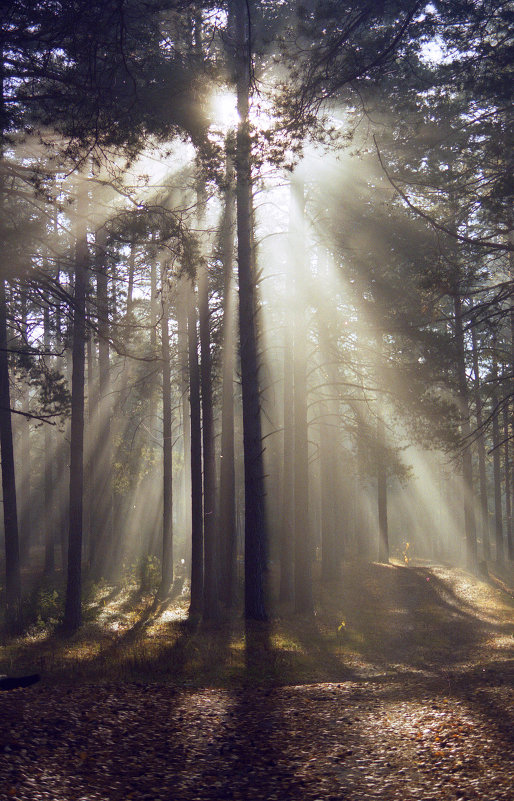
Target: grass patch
pixel 403 616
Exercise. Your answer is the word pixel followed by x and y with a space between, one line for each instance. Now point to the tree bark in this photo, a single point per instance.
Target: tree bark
pixel 508 482
pixel 153 306
pixel 25 512
pixel 255 524
pixel 12 545
pixel 196 604
pixel 304 602
pixel 11 534
pixel 286 593
pixel 167 492
pixel 73 606
pixel 328 478
pixel 49 483
pixel 498 527
pixel 103 545
pixel 467 466
pixel 130 284
pixel 227 523
pixel 484 503
pixel 61 462
pixel 182 346
pixel 383 534
pixel 210 545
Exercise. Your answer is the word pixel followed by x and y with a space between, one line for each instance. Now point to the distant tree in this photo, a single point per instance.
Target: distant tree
pixel 73 607
pixel 167 442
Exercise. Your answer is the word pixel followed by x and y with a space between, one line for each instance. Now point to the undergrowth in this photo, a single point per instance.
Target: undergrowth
pixel 375 616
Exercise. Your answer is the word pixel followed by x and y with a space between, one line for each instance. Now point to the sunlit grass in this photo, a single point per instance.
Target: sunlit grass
pixel 394 617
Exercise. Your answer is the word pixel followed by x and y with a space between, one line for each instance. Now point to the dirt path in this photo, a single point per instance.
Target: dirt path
pixel 422 711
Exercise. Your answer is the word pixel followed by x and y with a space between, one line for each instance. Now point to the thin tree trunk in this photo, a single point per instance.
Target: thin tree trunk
pixel 334 514
pixel 467 465
pixel 500 557
pixel 255 523
pixel 153 306
pixel 130 284
pixel 196 604
pixel 25 512
pixel 61 465
pixel 383 534
pixel 49 499
pixel 90 477
pixel 11 535
pixel 227 468
pixel 328 477
pixel 106 547
pixel 484 504
pixel 167 492
pixel 508 483
pixel 286 593
pixel 510 538
pixel 304 602
pixel 12 545
pixel 210 579
pixel 182 295
pixel 73 606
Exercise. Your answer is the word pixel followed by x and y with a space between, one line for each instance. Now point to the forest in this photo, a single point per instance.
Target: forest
pixel 257 395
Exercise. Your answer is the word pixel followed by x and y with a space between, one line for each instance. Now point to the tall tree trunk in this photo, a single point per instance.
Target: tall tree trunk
pixel 12 545
pixel 508 481
pixel 61 464
pixel 334 514
pixel 383 532
pixel 286 593
pixel 210 579
pixel 73 606
pixel 255 522
pixel 130 284
pixel 304 602
pixel 227 523
pixel 383 535
pixel 181 305
pixel 90 480
pixel 328 478
pixel 25 513
pixel 498 527
pixel 49 483
pixel 104 545
pixel 484 504
pixel 153 306
pixel 510 537
pixel 167 493
pixel 11 535
pixel 467 465
pixel 510 540
pixel 196 604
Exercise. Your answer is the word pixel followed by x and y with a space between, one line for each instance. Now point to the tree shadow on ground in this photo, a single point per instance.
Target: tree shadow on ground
pixel 254 737
pixel 407 616
pixel 317 653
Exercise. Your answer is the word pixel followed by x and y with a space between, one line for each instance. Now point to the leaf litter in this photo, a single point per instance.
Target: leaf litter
pixel 407 718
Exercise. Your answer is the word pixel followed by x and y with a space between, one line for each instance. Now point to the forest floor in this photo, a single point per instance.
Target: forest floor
pixel 400 687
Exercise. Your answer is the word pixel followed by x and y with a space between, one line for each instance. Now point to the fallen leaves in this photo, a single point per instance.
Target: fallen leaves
pixel 409 722
pixel 119 742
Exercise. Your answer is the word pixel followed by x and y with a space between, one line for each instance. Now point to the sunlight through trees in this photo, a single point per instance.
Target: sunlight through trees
pixel 256 293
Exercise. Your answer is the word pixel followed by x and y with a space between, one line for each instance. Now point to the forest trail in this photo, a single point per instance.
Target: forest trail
pixel 399 688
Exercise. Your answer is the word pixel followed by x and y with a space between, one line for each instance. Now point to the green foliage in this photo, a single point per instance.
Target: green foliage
pixel 43 607
pixel 149 573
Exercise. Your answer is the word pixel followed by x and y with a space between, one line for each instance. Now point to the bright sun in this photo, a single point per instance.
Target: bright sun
pixel 224 109
pixel 224 114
